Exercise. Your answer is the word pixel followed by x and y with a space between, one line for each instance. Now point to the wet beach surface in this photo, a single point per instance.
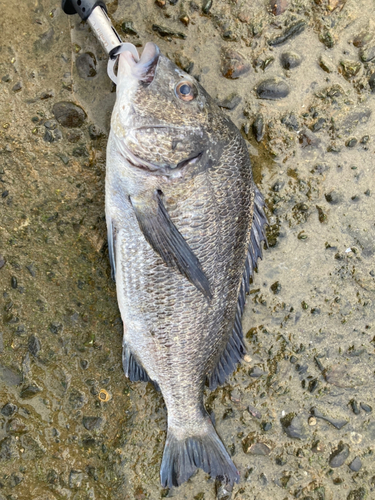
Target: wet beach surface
pixel 296 77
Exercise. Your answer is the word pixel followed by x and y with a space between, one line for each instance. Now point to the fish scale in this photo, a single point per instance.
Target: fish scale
pixel 178 239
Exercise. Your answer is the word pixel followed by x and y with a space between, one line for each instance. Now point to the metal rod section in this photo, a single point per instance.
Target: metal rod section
pixel 104 31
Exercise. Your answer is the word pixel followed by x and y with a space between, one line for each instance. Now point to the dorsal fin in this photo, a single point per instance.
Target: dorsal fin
pixel 235 348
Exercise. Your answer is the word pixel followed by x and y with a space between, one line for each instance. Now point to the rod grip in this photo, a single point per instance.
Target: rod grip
pixel 83 8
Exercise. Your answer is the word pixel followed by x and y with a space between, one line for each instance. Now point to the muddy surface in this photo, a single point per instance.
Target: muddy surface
pixel 298 415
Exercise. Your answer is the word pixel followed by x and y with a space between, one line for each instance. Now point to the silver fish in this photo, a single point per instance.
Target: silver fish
pixel 185 229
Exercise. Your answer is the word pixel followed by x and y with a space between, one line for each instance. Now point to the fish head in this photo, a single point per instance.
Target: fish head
pixel 163 120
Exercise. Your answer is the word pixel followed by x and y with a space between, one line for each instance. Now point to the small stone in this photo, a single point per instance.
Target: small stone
pixel 185 19
pixel 258 449
pixel 86 65
pixel 293 426
pixel 68 114
pixel 326 65
pixel 30 391
pixel 278 7
pixel 333 197
pixel 290 32
pixel 365 407
pixel 15 479
pixel 55 328
pixel 339 456
pixel 336 422
pixel 363 38
pixel 273 88
pixel 160 3
pixel 318 447
pixel 128 28
pixel 355 408
pixel 75 479
pixel 13 282
pixel 371 82
pixel 92 423
pixel 367 54
pixel 290 121
pixel 355 465
pixel 8 409
pixel 16 426
pixel 350 143
pixel 276 288
pixel 6 79
pixel 95 132
pixel 166 32
pixel 76 399
pixel 258 128
pixel 254 412
pixel 52 477
pixel 290 60
pixel 350 68
pixel 50 124
pixel 2 261
pixel 359 494
pixel 17 87
pixel 230 102
pixel 256 372
pixel 233 64
pixel 327 39
pixel 312 421
pixel 34 345
pixel 74 136
pixel 48 136
pixel 206 7
pixel 267 426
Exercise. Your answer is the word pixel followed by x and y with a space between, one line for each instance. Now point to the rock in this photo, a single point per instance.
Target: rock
pixel 351 143
pixel 337 423
pixel 68 114
pixel 278 7
pixel 74 136
pixel 30 391
pixel 2 261
pixel 256 372
pixel 272 88
pixel 95 132
pixel 128 28
pixel 75 479
pixel 326 65
pixel 223 490
pixel 290 121
pixel 276 288
pixel 17 87
pixel 371 82
pixel 8 409
pixel 13 282
pixel 15 479
pixel 92 423
pixel 355 465
pixel 365 407
pixel 333 197
pixel 290 60
pixel 233 64
pixel 291 31
pixel 258 449
pixel 56 328
pixel 350 68
pixel 34 345
pixel 359 494
pixel 86 65
pixel 230 102
pixel 293 426
pixel 254 412
pixel 166 32
pixel 206 7
pixel 8 448
pixel 76 399
pixel 338 456
pixel 10 377
pixel 52 477
pixel 258 127
pixel 367 54
pixel 16 426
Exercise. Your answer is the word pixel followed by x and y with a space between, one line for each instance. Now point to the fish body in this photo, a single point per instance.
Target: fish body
pixel 185 225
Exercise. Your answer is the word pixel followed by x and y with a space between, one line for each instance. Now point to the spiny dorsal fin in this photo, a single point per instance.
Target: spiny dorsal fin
pixel 235 348
pixel 160 232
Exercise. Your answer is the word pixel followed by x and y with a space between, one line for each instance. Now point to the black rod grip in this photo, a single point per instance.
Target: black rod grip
pixel 83 8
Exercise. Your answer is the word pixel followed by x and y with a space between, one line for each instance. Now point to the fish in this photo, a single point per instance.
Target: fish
pixel 186 227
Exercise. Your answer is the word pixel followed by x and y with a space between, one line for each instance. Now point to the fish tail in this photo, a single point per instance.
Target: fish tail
pixel 183 455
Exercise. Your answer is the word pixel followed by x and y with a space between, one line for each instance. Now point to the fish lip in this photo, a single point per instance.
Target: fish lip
pixel 161 170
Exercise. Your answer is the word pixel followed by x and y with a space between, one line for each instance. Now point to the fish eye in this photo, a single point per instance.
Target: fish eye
pixel 186 91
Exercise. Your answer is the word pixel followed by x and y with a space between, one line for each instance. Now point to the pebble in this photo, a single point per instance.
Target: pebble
pixel 273 88
pixel 359 494
pixel 230 102
pixel 34 345
pixel 256 372
pixel 254 412
pixel 363 38
pixel 355 465
pixel 333 197
pixel 95 132
pixel 276 288
pixel 367 54
pixel 68 114
pixel 50 124
pixel 92 423
pixel 55 328
pixel 351 143
pixel 291 31
pixel 258 127
pixel 166 32
pixel 354 406
pixel 365 407
pixel 185 19
pixel 290 60
pixel 6 79
pixel 293 426
pixel 206 7
pixel 128 28
pixel 17 87
pixel 13 282
pixel 278 7
pixel 75 479
pixel 350 68
pixel 86 65
pixel 326 65
pixel 371 82
pixel 339 456
pixel 30 391
pixel 233 64
pixel 2 261
pixel 337 423
pixel 8 409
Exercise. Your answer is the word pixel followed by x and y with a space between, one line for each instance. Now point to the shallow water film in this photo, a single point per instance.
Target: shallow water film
pixel 297 77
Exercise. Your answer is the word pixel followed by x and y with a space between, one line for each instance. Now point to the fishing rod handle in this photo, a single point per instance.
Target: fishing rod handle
pixel 83 8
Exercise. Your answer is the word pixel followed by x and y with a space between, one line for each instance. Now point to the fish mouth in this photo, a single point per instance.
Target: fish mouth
pixel 159 169
pixel 143 70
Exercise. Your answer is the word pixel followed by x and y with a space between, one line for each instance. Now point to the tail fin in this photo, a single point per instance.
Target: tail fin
pixel 183 456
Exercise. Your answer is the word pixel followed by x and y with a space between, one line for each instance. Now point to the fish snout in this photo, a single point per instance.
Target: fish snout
pixel 144 69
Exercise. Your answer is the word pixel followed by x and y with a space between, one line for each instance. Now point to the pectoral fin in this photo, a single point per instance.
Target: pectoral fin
pixel 111 235
pixel 160 232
